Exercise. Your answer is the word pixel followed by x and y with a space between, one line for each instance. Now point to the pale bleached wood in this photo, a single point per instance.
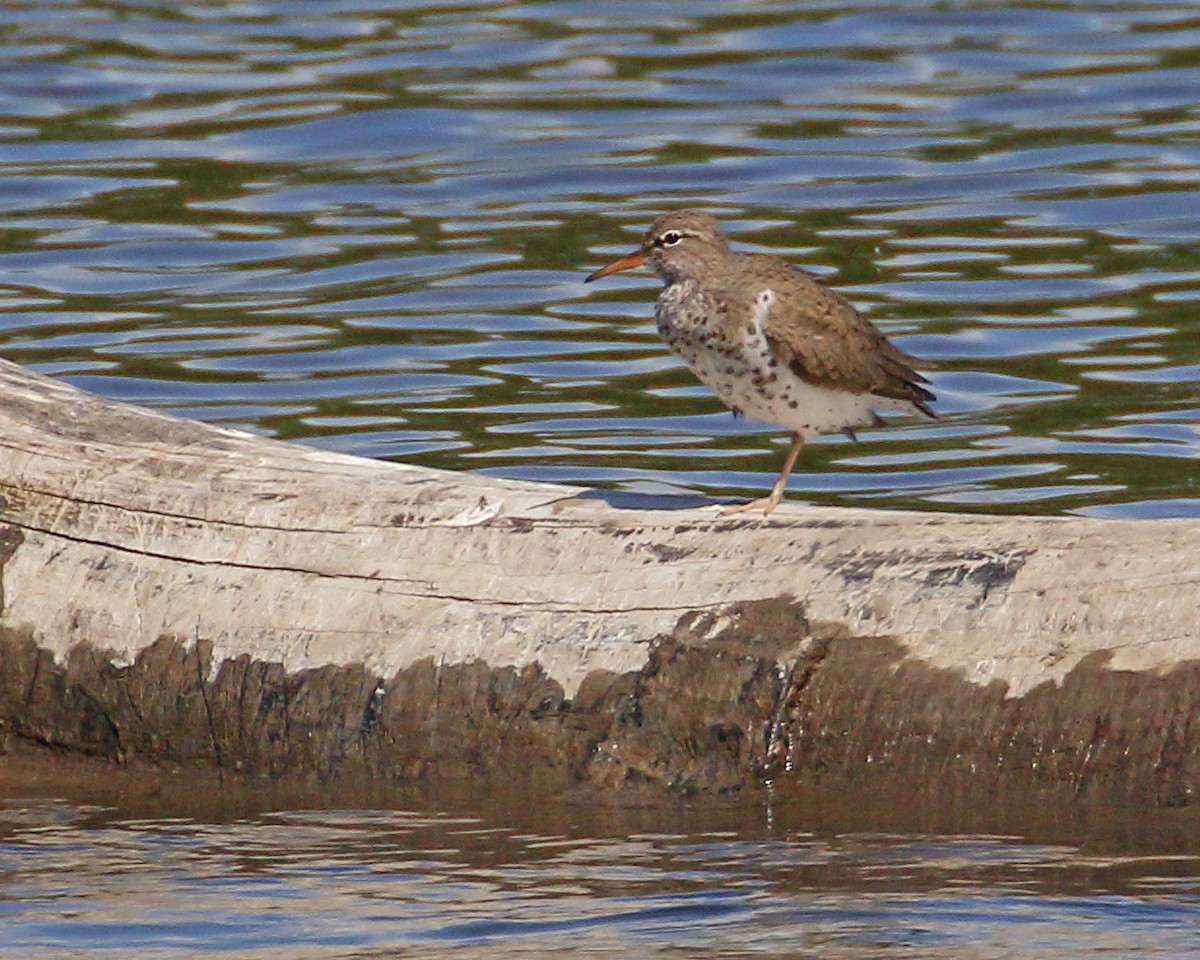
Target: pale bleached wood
pixel 135 525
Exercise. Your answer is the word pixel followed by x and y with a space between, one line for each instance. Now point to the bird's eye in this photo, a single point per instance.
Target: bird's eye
pixel 670 238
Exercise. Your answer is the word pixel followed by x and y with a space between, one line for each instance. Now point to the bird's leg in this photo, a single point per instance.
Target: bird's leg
pixel 769 503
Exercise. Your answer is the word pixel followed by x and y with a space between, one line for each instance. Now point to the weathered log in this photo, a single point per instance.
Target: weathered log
pixel 189 593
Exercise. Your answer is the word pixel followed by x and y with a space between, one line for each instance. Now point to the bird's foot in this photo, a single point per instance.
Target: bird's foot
pixel 765 504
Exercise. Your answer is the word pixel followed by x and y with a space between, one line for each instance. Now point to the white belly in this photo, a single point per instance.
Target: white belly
pixel 787 401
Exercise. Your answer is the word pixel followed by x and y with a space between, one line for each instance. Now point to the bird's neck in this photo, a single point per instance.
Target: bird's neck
pixel 669 274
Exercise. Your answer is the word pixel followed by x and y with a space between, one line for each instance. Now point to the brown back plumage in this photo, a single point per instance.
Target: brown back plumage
pixel 819 334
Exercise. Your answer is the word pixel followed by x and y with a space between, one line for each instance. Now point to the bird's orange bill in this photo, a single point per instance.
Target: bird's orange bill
pixel 635 259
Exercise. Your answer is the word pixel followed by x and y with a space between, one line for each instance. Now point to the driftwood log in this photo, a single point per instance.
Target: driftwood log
pixel 191 594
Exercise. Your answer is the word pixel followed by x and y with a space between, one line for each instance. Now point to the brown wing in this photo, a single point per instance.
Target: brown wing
pixel 827 342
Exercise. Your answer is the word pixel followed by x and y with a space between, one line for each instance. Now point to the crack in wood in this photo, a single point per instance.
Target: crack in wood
pixel 75 501
pixel 548 606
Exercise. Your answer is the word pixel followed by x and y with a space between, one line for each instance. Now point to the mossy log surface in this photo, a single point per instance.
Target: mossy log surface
pixel 191 594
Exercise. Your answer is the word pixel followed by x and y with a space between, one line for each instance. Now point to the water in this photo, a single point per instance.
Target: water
pixel 365 225
pixel 81 879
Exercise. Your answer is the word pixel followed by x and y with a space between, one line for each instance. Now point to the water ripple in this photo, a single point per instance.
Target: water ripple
pixel 337 883
pixel 365 225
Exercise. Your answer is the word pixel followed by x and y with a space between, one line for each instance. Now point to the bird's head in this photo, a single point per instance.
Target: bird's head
pixel 678 246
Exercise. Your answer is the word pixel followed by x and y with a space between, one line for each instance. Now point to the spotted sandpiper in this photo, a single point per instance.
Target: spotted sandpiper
pixel 772 342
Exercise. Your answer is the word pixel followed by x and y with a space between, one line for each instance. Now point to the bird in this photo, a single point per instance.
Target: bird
pixel 771 341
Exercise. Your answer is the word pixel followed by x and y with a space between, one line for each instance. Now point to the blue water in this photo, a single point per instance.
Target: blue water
pixel 364 224
pixel 85 881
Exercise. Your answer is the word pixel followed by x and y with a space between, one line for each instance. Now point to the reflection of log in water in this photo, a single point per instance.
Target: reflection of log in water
pixel 193 594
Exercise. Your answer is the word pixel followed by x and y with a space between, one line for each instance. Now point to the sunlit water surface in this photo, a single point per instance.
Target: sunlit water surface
pixel 85 881
pixel 365 224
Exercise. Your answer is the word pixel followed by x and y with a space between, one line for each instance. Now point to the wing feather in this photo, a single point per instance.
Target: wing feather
pixel 833 345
